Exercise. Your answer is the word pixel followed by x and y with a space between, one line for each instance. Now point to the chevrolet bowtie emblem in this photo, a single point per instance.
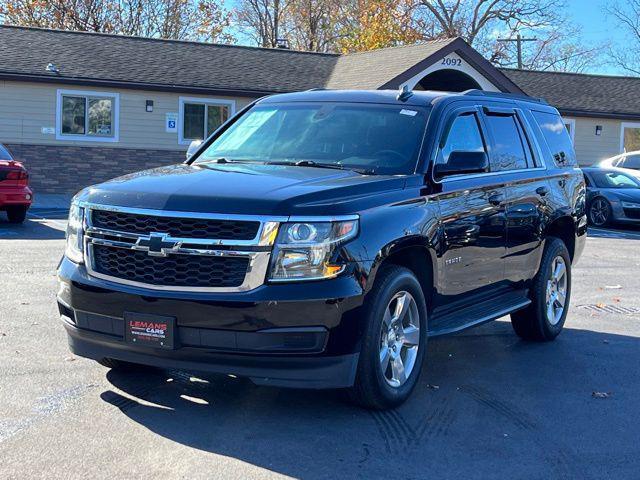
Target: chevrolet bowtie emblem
pixel 156 245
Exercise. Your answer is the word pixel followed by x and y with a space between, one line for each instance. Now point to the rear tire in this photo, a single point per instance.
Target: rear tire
pixel 119 365
pixel 17 214
pixel 543 319
pixel 394 340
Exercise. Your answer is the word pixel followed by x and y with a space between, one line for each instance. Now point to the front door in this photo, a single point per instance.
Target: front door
pixel 473 216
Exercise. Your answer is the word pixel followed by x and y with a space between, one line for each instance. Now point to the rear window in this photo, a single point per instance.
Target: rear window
pixel 557 137
pixel 4 153
pixel 508 152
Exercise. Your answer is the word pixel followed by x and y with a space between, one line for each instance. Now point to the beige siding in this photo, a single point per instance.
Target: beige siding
pixel 25 108
pixel 590 147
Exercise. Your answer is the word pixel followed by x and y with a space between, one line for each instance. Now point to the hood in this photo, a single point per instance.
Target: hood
pixel 631 195
pixel 254 189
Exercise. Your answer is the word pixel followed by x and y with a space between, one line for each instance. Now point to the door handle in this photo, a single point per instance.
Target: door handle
pixel 496 199
pixel 542 191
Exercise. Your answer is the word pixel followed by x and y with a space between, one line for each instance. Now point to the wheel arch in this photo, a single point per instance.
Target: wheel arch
pixel 412 253
pixel 564 228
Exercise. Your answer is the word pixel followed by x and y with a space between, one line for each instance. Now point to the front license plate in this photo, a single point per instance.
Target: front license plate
pixel 146 330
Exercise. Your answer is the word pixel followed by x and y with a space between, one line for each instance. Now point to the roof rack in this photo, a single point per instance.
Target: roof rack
pixel 515 96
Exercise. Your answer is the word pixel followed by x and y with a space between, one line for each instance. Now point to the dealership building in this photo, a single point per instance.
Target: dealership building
pixel 80 108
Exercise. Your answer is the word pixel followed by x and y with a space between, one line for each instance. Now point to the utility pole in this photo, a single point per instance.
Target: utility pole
pixel 518 41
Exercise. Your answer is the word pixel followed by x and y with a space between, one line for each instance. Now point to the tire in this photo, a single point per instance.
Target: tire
pixel 534 323
pixel 119 365
pixel 600 212
pixel 17 214
pixel 373 388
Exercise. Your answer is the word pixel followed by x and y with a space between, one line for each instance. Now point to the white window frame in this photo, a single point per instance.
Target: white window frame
pixel 85 137
pixel 206 101
pixel 572 131
pixel 624 125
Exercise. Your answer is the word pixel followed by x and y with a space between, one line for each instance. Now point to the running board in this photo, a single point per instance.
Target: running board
pixel 478 314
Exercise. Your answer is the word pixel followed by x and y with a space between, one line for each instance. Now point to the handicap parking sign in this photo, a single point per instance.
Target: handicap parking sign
pixel 171 124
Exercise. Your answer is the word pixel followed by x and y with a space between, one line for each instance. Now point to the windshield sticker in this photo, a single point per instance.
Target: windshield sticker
pixel 411 113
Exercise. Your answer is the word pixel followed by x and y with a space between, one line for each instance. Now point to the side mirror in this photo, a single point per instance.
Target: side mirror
pixel 462 163
pixel 193 148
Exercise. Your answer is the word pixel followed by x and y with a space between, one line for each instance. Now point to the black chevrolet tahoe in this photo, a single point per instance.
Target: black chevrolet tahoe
pixel 319 239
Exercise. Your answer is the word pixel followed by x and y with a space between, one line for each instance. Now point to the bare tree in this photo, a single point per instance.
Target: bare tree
pixel 264 21
pixel 313 24
pixel 627 16
pixel 481 22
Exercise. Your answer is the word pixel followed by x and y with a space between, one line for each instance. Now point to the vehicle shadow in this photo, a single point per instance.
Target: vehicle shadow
pixel 34 228
pixel 485 395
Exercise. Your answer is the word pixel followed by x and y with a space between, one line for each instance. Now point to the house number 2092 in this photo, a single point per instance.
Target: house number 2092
pixel 451 62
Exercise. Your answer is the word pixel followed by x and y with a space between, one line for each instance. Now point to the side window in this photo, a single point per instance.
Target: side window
pixel 464 136
pixel 508 151
pixel 630 161
pixel 587 182
pixel 557 138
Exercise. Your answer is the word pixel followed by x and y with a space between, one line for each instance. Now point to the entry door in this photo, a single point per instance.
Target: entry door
pixel 472 208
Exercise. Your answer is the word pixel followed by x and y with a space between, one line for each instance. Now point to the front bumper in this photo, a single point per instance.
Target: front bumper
pixel 289 335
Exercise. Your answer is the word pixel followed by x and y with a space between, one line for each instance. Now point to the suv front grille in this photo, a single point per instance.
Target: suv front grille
pixel 175 226
pixel 174 270
pixel 180 251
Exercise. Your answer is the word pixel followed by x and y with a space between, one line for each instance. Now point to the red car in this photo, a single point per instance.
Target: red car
pixel 15 194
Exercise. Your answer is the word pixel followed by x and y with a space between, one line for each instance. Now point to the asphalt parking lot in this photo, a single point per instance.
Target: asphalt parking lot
pixel 487 406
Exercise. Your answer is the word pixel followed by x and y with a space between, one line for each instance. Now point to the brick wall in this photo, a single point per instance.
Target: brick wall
pixel 68 169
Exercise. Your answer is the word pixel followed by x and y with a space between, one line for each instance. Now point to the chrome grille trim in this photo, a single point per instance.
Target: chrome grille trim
pixel 259 254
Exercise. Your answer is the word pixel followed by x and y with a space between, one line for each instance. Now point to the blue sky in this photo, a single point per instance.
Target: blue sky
pixel 596 27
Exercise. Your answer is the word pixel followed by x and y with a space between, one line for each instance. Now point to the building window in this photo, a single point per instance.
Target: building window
pixel 200 117
pixel 630 137
pixel 87 116
pixel 570 125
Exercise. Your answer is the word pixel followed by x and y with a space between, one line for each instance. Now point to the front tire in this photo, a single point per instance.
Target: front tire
pixel 394 340
pixel 543 319
pixel 17 214
pixel 600 212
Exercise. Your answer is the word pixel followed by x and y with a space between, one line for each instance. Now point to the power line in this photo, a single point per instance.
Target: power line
pixel 518 41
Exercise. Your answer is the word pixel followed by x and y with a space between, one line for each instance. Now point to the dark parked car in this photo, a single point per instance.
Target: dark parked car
pixel 613 195
pixel 318 239
pixel 15 194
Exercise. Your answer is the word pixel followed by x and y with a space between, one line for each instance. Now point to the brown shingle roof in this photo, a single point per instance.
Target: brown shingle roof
pixel 371 70
pixel 575 93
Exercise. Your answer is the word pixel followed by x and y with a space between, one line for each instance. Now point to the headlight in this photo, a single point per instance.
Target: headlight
pixel 74 250
pixel 630 205
pixel 303 250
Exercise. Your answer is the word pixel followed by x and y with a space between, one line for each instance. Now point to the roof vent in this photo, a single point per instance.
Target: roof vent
pixel 405 94
pixel 52 68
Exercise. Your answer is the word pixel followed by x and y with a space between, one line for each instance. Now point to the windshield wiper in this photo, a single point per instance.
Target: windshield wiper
pixel 332 166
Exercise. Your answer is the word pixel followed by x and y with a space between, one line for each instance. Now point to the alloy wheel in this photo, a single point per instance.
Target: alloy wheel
pixel 399 339
pixel 599 212
pixel 556 294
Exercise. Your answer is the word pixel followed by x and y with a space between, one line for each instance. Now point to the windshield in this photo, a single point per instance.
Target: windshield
pixel 614 180
pixel 378 139
pixel 4 153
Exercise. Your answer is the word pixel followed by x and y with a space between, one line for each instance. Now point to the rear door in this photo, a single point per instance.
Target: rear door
pixel 473 218
pixel 527 189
